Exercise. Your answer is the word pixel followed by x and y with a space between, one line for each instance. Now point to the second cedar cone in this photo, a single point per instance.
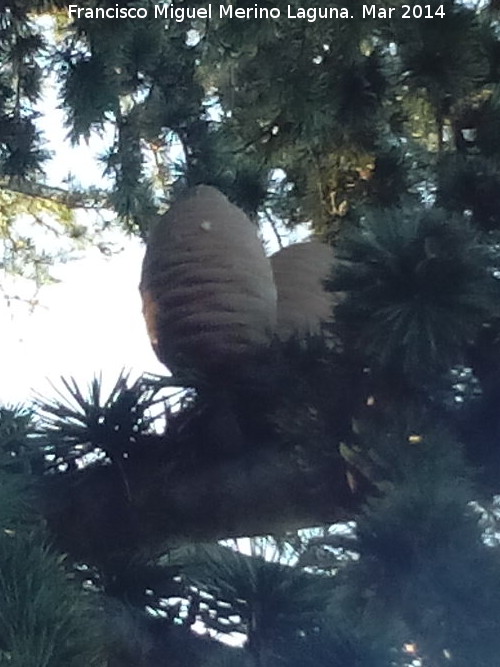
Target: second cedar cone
pixel 303 302
pixel 209 297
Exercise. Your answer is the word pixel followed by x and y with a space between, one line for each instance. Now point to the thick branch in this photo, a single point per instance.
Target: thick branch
pixel 147 504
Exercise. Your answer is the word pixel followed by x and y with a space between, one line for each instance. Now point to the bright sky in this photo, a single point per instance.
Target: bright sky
pixel 89 322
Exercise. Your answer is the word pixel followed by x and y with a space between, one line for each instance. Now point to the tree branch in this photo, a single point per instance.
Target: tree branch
pixel 85 199
pixel 262 492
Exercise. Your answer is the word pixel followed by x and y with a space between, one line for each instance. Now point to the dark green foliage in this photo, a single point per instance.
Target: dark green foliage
pixel 88 91
pixel 383 133
pixel 418 284
pixel 487 128
pixel 15 422
pixel 45 620
pixel 16 494
pixel 139 640
pixel 276 603
pixel 337 644
pixel 19 147
pixel 433 62
pixel 338 87
pixel 470 184
pixel 75 424
pixel 433 575
pixel 21 49
pixel 389 177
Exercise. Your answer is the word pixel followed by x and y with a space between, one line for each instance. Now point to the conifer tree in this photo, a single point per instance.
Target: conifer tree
pixel 384 134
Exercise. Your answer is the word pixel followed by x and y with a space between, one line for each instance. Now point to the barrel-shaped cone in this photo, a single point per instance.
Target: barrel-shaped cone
pixel 303 302
pixel 208 292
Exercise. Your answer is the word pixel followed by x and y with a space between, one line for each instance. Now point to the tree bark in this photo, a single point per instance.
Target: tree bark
pixel 148 504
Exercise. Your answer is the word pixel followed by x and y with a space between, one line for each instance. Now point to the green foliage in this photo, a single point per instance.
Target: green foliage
pixel 21 153
pixel 487 129
pixel 470 184
pixel 419 285
pixel 277 603
pixel 15 493
pixel 337 103
pixel 75 424
pixel 89 93
pixel 384 133
pixel 45 620
pixel 432 576
pixel 431 60
pixel 337 644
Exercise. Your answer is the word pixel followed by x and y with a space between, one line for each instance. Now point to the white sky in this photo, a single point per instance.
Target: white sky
pixel 89 322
